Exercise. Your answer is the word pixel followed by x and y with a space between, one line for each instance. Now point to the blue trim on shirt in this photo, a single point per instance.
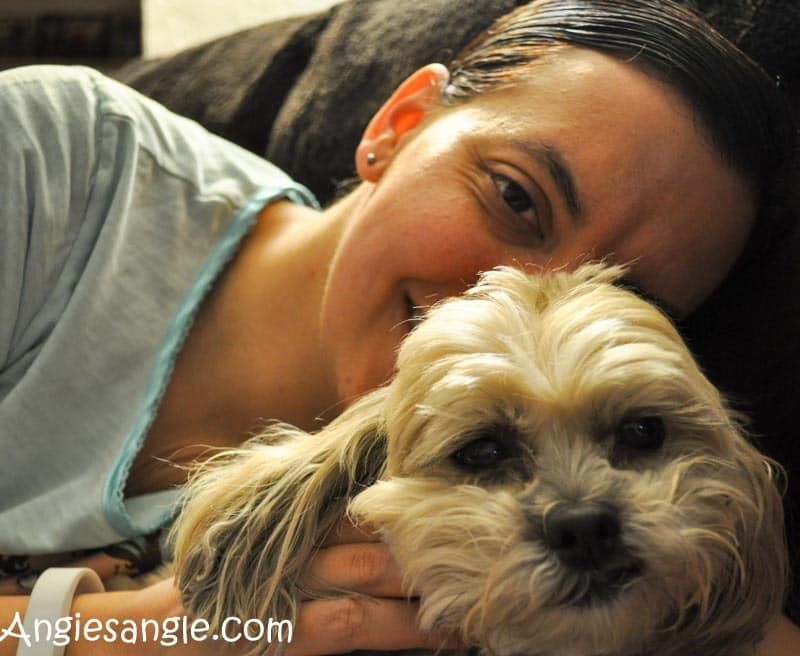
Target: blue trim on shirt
pixel 113 493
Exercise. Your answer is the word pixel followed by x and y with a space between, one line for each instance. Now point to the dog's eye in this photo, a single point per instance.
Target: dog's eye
pixel 481 453
pixel 641 433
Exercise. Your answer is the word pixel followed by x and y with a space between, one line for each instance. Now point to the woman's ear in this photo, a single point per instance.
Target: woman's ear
pixel 401 113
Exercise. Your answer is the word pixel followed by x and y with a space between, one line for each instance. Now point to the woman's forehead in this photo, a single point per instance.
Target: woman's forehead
pixel 578 86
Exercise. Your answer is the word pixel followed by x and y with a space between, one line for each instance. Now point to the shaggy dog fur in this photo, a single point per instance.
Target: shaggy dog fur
pixel 550 468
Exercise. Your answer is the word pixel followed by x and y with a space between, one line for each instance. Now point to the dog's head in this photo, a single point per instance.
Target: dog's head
pixel 555 477
pixel 562 479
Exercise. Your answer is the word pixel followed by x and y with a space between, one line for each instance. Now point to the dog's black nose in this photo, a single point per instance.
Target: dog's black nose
pixel 584 535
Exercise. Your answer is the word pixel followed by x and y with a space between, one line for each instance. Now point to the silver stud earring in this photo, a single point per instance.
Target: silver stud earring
pixel 371 159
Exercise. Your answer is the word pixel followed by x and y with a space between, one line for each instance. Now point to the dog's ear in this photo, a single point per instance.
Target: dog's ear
pixel 253 517
pixel 751 590
pixel 762 578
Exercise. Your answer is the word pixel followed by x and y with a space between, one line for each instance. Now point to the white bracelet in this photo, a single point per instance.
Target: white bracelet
pixel 50 600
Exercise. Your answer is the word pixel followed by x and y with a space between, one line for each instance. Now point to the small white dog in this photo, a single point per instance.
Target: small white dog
pixel 550 468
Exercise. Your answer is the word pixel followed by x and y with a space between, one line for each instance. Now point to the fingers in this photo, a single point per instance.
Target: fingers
pixel 336 626
pixel 379 617
pixel 367 568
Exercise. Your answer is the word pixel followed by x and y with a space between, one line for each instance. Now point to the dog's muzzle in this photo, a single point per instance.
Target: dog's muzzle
pixel 587 538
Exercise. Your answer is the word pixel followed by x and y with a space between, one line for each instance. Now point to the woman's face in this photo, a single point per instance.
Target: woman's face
pixel 588 159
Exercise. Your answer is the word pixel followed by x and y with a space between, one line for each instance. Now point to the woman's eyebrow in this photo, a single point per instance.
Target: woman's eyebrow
pixel 552 159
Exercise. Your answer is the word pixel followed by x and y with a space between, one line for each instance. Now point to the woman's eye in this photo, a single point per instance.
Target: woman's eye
pixel 513 195
pixel 519 201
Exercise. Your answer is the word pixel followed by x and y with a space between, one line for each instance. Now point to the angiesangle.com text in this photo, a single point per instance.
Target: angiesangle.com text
pixel 167 632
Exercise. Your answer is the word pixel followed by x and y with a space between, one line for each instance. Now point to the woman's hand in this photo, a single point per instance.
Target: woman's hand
pixel 380 618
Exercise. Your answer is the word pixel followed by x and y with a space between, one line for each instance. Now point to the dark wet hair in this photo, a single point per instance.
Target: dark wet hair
pixel 746 117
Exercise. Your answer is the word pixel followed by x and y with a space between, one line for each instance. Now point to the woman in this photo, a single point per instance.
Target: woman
pixel 569 131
